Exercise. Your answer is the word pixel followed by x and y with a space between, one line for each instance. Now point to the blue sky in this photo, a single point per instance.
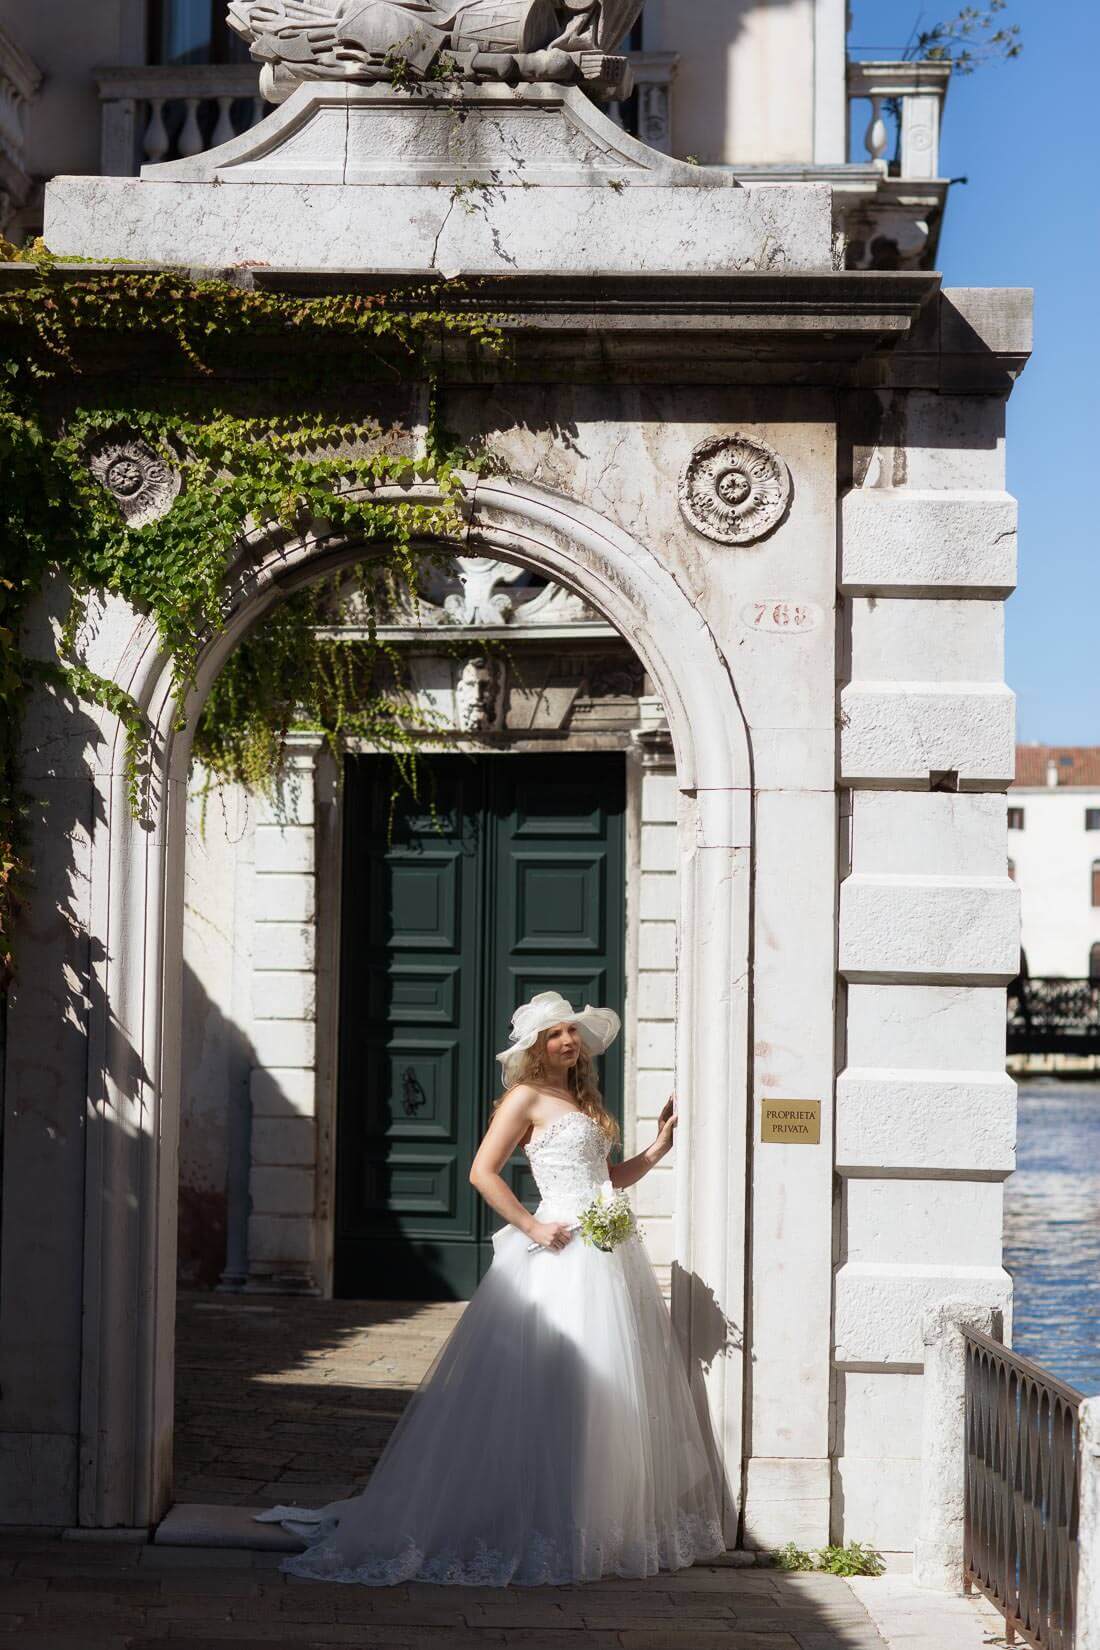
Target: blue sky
pixel 1025 134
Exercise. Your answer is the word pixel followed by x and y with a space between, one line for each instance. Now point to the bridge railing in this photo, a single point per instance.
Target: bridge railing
pixel 1022 1492
pixel 1054 1016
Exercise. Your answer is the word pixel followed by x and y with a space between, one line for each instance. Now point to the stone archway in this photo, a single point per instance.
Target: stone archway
pixel 131 1176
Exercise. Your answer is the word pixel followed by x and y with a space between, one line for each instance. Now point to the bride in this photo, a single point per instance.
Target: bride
pixel 553 1438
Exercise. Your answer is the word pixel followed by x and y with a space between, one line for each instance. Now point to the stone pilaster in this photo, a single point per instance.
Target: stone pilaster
pixel 282 1237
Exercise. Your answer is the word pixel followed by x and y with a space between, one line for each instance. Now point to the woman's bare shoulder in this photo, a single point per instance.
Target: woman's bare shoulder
pixel 519 1097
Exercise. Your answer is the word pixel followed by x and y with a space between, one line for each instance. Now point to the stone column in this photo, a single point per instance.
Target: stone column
pixel 282 1243
pixel 1088 1533
pixel 938 1553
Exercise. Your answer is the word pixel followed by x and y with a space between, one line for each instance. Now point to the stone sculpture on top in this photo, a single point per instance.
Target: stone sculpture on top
pixel 572 42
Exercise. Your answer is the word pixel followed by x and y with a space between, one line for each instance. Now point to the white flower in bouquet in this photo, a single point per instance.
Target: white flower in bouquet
pixel 608 1220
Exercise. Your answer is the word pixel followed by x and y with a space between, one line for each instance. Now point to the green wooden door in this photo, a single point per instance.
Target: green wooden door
pixel 444 933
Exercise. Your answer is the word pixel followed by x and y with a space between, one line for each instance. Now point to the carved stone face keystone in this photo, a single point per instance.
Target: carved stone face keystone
pixel 479 695
pixel 734 490
pixel 142 485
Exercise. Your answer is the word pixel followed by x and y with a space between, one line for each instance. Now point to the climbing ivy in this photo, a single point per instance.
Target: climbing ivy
pixel 193 368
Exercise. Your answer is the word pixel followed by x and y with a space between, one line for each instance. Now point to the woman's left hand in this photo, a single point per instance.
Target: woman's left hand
pixel 668 1119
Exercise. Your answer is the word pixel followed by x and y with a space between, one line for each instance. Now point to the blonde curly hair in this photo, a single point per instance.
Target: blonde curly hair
pixel 529 1065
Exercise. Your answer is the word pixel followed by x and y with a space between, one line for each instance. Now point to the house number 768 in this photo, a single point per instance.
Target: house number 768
pixel 780 616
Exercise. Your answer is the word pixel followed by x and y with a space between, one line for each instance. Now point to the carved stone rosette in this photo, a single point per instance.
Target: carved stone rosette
pixel 142 485
pixel 734 490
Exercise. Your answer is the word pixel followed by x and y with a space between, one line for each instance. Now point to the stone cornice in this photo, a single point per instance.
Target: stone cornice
pixel 855 327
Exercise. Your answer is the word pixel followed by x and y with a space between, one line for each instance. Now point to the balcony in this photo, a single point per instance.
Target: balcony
pixel 887 206
pixel 19 83
pixel 157 114
pixel 903 107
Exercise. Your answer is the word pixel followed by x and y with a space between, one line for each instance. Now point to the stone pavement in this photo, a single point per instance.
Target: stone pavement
pixel 292 1400
pixel 909 1618
pixel 79 1595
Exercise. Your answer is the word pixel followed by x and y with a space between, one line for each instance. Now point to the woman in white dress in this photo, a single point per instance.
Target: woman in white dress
pixel 553 1438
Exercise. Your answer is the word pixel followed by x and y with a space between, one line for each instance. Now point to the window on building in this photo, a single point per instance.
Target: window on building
pixel 1094 965
pixel 192 31
pixel 1092 819
pixel 1015 819
pixel 1012 869
pixel 1096 882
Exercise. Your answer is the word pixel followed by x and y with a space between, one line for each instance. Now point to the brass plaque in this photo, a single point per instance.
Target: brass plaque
pixel 791 1122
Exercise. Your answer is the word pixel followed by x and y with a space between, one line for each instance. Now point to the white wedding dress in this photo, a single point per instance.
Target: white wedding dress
pixel 553 1438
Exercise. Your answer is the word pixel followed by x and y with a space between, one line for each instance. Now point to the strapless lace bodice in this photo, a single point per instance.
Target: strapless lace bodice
pixel 569 1162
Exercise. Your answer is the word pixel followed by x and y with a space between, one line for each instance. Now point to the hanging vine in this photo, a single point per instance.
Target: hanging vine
pixel 191 369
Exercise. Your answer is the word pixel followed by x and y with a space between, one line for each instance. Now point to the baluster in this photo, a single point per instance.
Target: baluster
pixel 156 133
pixel 259 108
pixel 223 131
pixel 876 137
pixel 191 139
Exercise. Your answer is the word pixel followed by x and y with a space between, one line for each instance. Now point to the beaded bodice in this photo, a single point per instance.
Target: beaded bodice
pixel 569 1162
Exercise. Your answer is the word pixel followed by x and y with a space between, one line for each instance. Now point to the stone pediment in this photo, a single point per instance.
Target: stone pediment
pixel 332 133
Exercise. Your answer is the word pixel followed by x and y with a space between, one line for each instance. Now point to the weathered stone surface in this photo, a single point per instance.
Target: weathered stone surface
pixel 911 730
pixel 880 1307
pixel 324 183
pixel 1088 1581
pixel 905 540
pixel 938 1557
pixel 933 1119
pixel 930 928
pixel 895 639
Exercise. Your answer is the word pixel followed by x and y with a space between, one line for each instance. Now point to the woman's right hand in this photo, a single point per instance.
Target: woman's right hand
pixel 550 1234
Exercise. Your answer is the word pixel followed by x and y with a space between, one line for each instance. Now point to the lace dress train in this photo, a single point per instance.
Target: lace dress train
pixel 553 1438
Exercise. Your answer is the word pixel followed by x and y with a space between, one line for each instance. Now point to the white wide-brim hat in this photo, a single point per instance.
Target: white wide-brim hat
pixel 597 1027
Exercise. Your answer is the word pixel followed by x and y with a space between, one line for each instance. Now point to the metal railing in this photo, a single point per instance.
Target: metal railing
pixel 1054 1016
pixel 1022 1492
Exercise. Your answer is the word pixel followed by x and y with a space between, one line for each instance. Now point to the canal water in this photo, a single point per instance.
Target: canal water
pixel 1052 1229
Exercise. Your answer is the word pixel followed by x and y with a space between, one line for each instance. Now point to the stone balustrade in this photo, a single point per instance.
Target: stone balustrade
pixel 156 114
pixel 916 91
pixel 19 83
pixel 651 117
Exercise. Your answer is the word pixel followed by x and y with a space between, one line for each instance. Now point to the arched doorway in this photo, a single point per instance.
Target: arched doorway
pixel 127 1356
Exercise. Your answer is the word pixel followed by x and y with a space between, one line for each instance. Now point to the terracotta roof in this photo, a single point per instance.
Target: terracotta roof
pixel 1076 764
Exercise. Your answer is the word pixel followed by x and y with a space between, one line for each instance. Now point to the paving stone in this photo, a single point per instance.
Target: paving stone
pixel 726 1639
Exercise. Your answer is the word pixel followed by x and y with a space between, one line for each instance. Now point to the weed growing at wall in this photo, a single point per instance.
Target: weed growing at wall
pixel 854 1559
pixel 191 370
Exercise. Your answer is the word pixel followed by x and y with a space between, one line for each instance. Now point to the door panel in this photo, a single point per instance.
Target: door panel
pixel 444 934
pixel 407 1218
pixel 558 889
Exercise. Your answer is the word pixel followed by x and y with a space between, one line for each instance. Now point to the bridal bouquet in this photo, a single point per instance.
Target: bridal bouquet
pixel 606 1222
pixel 608 1219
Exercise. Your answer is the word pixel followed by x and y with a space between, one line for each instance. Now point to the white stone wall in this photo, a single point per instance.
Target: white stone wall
pixel 217 1014
pixel 1053 857
pixel 755 84
pixel 651 989
pixel 929 931
pixel 282 1238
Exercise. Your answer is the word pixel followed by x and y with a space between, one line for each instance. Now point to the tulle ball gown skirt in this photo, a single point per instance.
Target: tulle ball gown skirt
pixel 553 1439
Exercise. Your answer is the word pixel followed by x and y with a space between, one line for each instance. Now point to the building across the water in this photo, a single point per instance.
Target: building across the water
pixel 1054 857
pixel 728 742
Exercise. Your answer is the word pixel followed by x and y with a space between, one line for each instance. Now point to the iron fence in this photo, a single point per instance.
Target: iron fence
pixel 1022 1492
pixel 1052 1016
